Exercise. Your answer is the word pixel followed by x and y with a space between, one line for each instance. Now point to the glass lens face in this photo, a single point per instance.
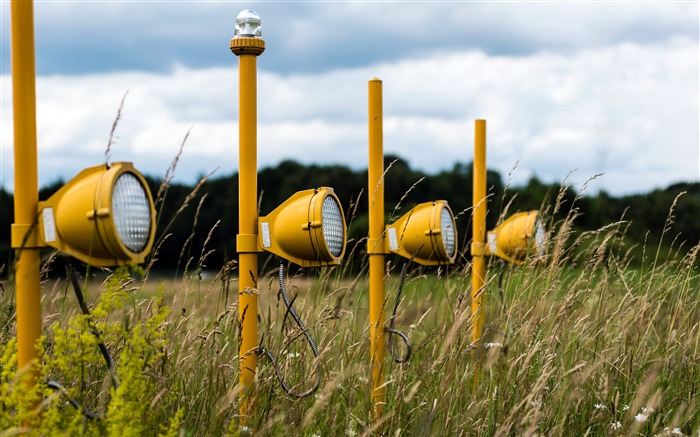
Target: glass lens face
pixel 332 222
pixel 131 212
pixel 447 230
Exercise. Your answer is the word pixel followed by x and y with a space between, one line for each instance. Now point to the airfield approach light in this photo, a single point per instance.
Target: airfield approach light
pixel 517 237
pixel 307 229
pixel 426 234
pixel 104 216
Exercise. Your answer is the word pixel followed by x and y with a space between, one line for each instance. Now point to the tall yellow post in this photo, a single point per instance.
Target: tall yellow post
pixel 478 233
pixel 247 48
pixel 376 246
pixel 24 234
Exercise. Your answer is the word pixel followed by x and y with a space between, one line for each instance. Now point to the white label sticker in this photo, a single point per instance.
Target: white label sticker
pixel 393 240
pixel 266 240
pixel 49 225
pixel 492 243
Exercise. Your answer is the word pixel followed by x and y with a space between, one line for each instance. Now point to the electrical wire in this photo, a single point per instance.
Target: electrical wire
pixel 55 385
pixel 305 331
pixel 100 344
pixel 390 330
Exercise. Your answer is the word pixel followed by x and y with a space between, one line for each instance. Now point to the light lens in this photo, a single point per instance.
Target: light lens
pixel 248 24
pixel 332 222
pixel 447 230
pixel 131 212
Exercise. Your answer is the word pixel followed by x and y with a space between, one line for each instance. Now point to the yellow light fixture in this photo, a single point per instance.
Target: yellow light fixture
pixel 517 237
pixel 426 234
pixel 307 229
pixel 104 216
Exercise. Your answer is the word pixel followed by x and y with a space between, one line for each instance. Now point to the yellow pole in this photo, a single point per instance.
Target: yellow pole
pixel 24 235
pixel 247 49
pixel 375 246
pixel 478 233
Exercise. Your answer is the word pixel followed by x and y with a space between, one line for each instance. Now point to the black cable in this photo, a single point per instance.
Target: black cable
pixel 390 330
pixel 55 385
pixel 295 316
pixel 83 307
pixel 305 331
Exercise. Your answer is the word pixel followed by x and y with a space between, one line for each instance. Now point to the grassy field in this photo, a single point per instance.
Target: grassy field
pixel 584 344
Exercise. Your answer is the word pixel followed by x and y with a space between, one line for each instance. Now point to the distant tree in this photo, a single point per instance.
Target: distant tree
pixel 7 214
pixel 186 219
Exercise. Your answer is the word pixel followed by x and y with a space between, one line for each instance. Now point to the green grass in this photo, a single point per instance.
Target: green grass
pixel 583 345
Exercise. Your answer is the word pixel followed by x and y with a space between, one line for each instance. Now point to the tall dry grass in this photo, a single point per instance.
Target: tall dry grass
pixel 579 343
pixel 584 344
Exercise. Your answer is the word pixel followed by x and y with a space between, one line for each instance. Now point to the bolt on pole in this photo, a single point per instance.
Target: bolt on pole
pixel 24 233
pixel 478 233
pixel 376 246
pixel 247 47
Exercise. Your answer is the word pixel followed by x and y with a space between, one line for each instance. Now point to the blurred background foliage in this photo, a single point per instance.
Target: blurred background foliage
pixel 199 219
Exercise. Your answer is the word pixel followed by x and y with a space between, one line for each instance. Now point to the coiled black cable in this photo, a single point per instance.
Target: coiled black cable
pixel 390 330
pixel 305 331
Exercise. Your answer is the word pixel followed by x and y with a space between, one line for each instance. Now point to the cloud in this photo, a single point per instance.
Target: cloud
pixel 92 37
pixel 628 110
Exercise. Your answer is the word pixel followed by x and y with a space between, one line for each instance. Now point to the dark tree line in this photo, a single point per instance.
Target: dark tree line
pixel 189 216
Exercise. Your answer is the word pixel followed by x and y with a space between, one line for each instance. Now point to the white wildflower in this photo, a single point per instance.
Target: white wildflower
pixel 599 406
pixel 641 418
pixel 318 396
pixel 676 431
pixel 616 425
pixel 647 410
pixel 490 345
pixel 363 380
pixel 350 432
pixel 625 407
pixel 293 354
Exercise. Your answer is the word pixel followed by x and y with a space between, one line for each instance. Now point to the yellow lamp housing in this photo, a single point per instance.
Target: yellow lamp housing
pixel 521 234
pixel 104 216
pixel 307 229
pixel 426 234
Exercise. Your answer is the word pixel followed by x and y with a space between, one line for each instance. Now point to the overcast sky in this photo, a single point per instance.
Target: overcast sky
pixel 576 88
